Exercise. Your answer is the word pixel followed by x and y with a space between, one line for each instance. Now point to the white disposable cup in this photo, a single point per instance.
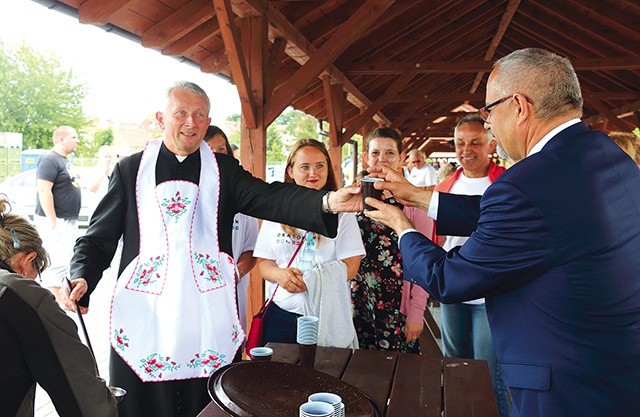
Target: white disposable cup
pixel 307 330
pixel 328 397
pixel 316 409
pixel 261 353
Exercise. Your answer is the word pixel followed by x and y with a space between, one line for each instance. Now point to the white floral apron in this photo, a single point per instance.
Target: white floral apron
pixel 173 312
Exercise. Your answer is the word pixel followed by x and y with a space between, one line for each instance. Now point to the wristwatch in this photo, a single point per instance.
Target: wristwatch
pixel 326 208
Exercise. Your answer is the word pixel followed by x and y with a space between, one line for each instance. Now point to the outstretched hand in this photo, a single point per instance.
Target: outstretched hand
pixel 388 214
pixel 346 200
pixel 401 189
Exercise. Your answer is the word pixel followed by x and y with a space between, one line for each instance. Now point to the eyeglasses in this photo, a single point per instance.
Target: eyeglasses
pixel 486 110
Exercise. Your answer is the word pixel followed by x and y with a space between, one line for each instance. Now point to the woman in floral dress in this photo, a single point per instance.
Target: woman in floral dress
pixel 387 310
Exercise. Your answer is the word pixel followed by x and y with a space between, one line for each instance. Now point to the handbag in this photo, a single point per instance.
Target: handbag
pixel 254 338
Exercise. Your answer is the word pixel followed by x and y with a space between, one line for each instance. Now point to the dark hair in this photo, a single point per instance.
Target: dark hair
pixel 384 132
pixel 331 184
pixel 215 130
pixel 18 235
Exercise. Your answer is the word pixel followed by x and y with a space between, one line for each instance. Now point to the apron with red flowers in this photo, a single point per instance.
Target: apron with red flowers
pixel 173 313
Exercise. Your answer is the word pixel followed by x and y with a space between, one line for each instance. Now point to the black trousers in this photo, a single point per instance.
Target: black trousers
pixel 279 325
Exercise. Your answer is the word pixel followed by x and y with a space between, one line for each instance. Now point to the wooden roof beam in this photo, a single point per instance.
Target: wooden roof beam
pixel 274 61
pixel 620 124
pixel 299 49
pixel 98 12
pixel 390 67
pixel 178 24
pixel 319 61
pixel 505 21
pixel 200 34
pixel 232 45
pixel 400 83
pixel 479 97
pixel 635 106
pixel 335 97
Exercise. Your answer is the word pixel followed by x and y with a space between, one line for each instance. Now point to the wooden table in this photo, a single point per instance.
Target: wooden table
pixel 402 385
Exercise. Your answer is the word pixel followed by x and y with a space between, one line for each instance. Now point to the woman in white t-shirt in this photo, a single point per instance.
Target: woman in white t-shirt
pixel 308 165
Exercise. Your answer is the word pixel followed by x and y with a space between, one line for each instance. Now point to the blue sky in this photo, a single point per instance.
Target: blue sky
pixel 126 82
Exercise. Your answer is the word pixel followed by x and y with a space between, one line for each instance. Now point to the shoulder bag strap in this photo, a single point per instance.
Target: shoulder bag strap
pixel 266 305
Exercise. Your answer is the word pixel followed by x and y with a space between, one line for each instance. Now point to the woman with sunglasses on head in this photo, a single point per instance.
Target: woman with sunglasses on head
pixel 40 343
pixel 308 165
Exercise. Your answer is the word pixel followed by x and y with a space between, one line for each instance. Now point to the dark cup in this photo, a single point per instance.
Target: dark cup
pixel 369 191
pixel 307 355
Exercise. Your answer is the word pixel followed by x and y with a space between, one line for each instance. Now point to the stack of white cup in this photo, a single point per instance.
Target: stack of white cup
pixel 316 409
pixel 307 332
pixel 332 399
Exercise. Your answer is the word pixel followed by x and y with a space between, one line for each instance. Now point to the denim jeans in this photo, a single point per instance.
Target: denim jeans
pixel 466 334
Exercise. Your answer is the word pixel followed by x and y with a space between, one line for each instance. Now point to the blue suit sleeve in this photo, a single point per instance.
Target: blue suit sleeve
pixel 457 214
pixel 511 245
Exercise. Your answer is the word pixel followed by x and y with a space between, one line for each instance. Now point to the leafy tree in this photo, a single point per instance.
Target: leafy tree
pixel 275 154
pixel 88 146
pixel 37 95
pixel 298 125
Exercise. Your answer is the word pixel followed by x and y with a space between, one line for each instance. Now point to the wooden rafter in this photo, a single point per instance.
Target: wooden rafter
pixel 276 55
pixel 425 67
pixel 98 12
pixel 400 83
pixel 302 49
pixel 505 21
pixel 340 40
pixel 334 96
pixel 612 117
pixel 178 24
pixel 231 38
pixel 200 34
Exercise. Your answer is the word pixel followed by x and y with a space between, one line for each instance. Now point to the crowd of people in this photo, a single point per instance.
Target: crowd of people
pixel 534 266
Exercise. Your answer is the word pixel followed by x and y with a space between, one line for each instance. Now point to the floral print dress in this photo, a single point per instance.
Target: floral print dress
pixel 376 291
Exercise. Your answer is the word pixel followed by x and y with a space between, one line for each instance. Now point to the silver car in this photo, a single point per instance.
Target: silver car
pixel 21 192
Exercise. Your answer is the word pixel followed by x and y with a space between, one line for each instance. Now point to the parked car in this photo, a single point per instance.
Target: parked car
pixel 21 192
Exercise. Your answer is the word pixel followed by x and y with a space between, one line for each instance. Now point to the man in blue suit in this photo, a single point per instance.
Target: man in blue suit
pixel 555 250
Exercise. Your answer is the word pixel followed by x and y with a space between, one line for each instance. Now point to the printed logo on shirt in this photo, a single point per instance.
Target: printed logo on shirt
pixel 286 238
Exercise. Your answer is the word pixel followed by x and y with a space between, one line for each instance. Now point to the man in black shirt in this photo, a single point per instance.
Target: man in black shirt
pixel 58 205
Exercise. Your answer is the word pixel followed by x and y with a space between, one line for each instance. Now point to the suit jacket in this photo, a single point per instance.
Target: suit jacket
pixel 555 253
pixel 117 215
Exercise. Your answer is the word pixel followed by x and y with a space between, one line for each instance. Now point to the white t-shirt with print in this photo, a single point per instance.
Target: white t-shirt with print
pixel 275 244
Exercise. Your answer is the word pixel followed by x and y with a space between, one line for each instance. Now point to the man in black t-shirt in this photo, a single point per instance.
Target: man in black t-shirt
pixel 58 205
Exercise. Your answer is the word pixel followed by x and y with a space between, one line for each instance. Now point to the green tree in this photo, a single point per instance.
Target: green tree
pixel 37 95
pixel 88 146
pixel 275 154
pixel 298 124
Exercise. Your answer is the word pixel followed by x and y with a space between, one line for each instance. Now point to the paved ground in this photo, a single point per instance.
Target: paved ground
pixel 97 322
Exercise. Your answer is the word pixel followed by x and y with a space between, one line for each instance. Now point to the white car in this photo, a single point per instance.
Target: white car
pixel 20 189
